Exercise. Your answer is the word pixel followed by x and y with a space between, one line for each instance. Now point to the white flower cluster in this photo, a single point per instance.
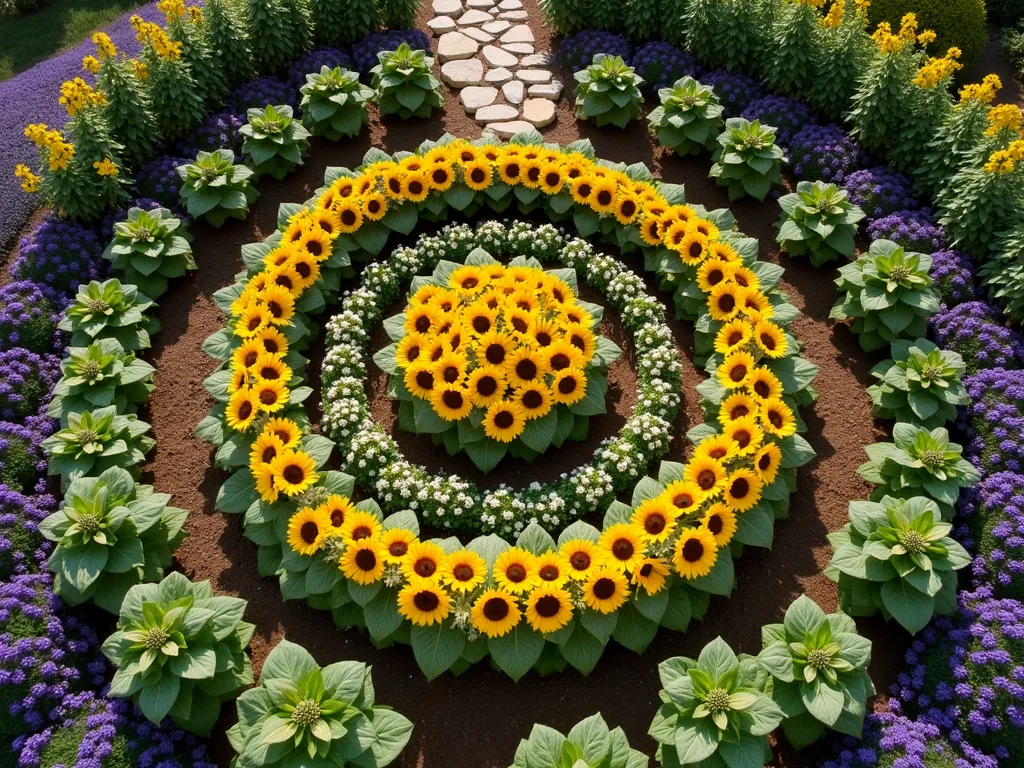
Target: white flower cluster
pixel 374 458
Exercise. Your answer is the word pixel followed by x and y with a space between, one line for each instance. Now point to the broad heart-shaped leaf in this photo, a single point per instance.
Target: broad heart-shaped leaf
pixel 764 715
pixel 197 663
pixel 486 454
pixel 535 539
pixel 544 747
pixel 822 701
pixel 488 547
pixel 516 651
pixel 912 609
pixel 803 616
pixel 436 647
pixel 634 630
pixel 646 488
pixel 287 661
pixel 156 700
pixel 803 730
pixel 392 731
pixel 777 659
pixel 717 658
pixel 748 752
pixel 238 492
pixel 582 650
pixel 381 614
pixel 696 740
pixel 593 737
pixel 346 679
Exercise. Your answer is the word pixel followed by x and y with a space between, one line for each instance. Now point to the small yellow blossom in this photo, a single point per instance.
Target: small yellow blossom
pixel 29 181
pixel 105 167
pixel 1004 116
pixel 91 64
pixel 105 47
pixel 983 92
pixel 77 94
pixel 938 70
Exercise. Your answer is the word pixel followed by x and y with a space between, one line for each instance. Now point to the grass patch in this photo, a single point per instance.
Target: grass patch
pixel 27 40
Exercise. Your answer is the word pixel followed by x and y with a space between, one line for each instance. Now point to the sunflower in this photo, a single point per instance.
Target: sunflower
pixel 684 496
pixel 463 571
pixel 724 251
pixel 245 356
pixel 576 315
pixel 695 553
pixel 504 421
pixel 242 409
pixel 651 575
pixel 771 339
pixel 707 474
pixel 560 356
pixel 656 517
pixel 733 335
pixel 344 188
pixel 450 401
pixel 650 229
pixel 492 152
pixel 415 187
pixel 582 189
pixel 693 248
pixel 746 278
pixel 279 303
pixel 552 178
pixel 294 231
pixel 486 385
pixel 531 172
pixel 583 557
pixel 735 369
pixel 395 543
pixel 424 560
pixel 317 243
pixel 583 339
pixel 479 319
pixel 421 318
pixel 743 490
pixel 705 228
pixel 280 256
pixel 725 301
pixel 468 278
pixel 624 544
pixel 392 183
pixel 423 603
pixel 271 396
pixel 253 319
pixel 745 434
pixel 627 208
pixel 525 366
pixel 675 233
pixel 777 418
pixel 240 379
pixel 534 400
pixel 284 429
pixel 327 220
pixel 606 590
pixel 464 152
pixel 552 569
pixel 264 477
pixel 363 562
pixel 756 306
pixel 548 608
pixel 264 450
pixel 764 385
pixel 441 176
pixel 272 341
pixel 446 300
pixel 413 164
pixel 307 267
pixel 375 206
pixel 510 168
pixel 721 522
pixel 451 368
pixel 712 272
pixel 358 525
pixel 247 298
pixel 603 198
pixel 338 509
pixel 495 613
pixel 272 368
pixel 294 472
pixel 495 348
pixel 569 386
pixel 515 570
pixel 307 531
pixel 767 462
pixel 718 447
pixel 409 349
pixel 737 405
pixel 525 299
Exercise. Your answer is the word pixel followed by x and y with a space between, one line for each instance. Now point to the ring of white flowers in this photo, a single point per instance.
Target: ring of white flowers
pixel 373 456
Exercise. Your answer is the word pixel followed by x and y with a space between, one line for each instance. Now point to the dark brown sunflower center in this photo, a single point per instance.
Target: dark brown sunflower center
pixel 682 500
pixel 738 412
pixel 268 397
pixel 425 567
pixel 768 341
pixel 544 339
pixel 742 438
pixel 580 561
pixel 567 385
pixel 532 399
pixel 268 453
pixel 548 606
pixel 764 462
pixel 585 190
pixel 452 374
pixel 515 573
pixel 462 572
pixel 504 419
pixel 269 372
pixel 560 361
pixel 294 474
pixel 762 389
pixel 422 324
pixel 526 369
pixel 495 354
pixel 426 601
pixel 696 249
pixel 693 550
pixel 398 548
pixel 245 410
pixel 552 179
pixel 424 379
pixel 655 523
pixel 452 399
pixel 604 589
pixel 715 524
pixel 622 549
pixel 738 372
pixel 604 197
pixel 727 303
pixel 440 176
pixel 775 418
pixel 486 385
pixel 303 269
pixel 548 573
pixel 337 518
pixel 715 276
pixel 496 609
pixel 309 532
pixel 707 479
pixel 250 359
pixel 646 570
pixel 477 176
pixel 512 170
pixel 740 488
pixel 366 559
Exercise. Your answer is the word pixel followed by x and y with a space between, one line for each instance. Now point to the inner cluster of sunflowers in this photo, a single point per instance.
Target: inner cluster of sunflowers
pixel 510 341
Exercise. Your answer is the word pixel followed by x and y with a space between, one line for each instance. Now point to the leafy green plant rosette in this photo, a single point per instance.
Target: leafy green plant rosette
pixel 689 118
pixel 818 665
pixel 889 294
pixel 714 711
pixel 403 84
pixel 149 248
pixel 99 375
pixel 818 220
pixel 561 421
pixel 180 651
pixel 214 189
pixel 920 384
pixel 274 140
pixel 919 462
pixel 96 440
pixel 608 92
pixel 334 103
pixel 110 310
pixel 590 744
pixel 747 161
pixel 896 557
pixel 300 714
pixel 111 535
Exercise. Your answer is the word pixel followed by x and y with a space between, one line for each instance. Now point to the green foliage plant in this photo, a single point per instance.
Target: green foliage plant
pixel 920 384
pixel 339 23
pixel 94 441
pixel 173 91
pixel 843 51
pixel 818 665
pixel 565 16
pixel 214 189
pixel 111 535
pixel 888 293
pixel 404 85
pixel 110 310
pixel 794 48
pixel 300 714
pixel 728 34
pixel 99 375
pixel 590 743
pixel 608 92
pixel 818 220
pixel 229 37
pixel 1003 274
pixel 919 462
pixel 747 160
pixel 150 247
pixel 269 24
pixel 334 103
pixel 959 23
pixel 644 19
pixel 398 14
pixel 689 118
pixel 714 710
pixel 274 141
pixel 203 60
pixel 180 651
pixel 896 557
pixel 128 109
pixel 927 108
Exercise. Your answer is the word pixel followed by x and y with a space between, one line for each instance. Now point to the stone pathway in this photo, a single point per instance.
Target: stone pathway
pixel 486 51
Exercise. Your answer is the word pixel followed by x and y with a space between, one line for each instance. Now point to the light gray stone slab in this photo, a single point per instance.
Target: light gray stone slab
pixel 475 97
pixel 519 49
pixel 441 24
pixel 514 15
pixel 451 8
pixel 498 76
pixel 508 129
pixel 518 34
pixel 510 5
pixel 541 60
pixel 474 18
pixel 546 91
pixel 534 76
pixel 495 57
pixel 539 112
pixel 453 46
pixel 496 113
pixel 463 73
pixel 514 92
pixel 497 27
pixel 477 34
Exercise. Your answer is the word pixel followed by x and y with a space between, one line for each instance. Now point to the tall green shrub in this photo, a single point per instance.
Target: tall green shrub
pixel 338 23
pixel 271 27
pixel 793 50
pixel 398 14
pixel 843 53
pixel 228 36
pixel 565 16
pixel 128 109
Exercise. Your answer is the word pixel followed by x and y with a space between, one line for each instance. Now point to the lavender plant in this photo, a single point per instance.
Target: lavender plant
pixel 975 330
pixel 788 116
pixel 880 191
pixel 660 64
pixel 256 94
pixel 220 130
pixel 823 153
pixel 59 253
pixel 913 230
pixel 577 52
pixel 27 316
pixel 689 118
pixel 993 421
pixel 22 548
pixel 735 91
pixel 953 276
pixel 994 510
pixel 22 462
pixel 314 61
pixel 159 180
pixel 26 379
pixel 919 384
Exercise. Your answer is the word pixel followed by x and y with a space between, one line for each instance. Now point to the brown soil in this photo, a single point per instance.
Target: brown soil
pixel 478 719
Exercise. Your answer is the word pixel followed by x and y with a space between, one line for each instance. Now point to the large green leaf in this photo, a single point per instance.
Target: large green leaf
pixel 436 647
pixel 516 651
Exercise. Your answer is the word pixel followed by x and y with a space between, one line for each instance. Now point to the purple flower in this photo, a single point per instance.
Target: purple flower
pixel 364 53
pixel 914 230
pixel 953 273
pixel 660 64
pixel 22 549
pixel 27 316
pixel 22 460
pixel 880 191
pixel 994 510
pixel 216 131
pixel 26 379
pixel 787 115
pixel 312 62
pixel 577 52
pixel 263 91
pixel 158 179
pixel 59 253
pixel 734 91
pixel 823 153
pixel 994 420
pixel 975 330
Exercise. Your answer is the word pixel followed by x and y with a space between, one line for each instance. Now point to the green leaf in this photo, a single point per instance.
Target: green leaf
pixel 516 651
pixel 535 539
pixel 696 741
pixel 436 647
pixel 156 700
pixel 823 702
pixel 912 609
